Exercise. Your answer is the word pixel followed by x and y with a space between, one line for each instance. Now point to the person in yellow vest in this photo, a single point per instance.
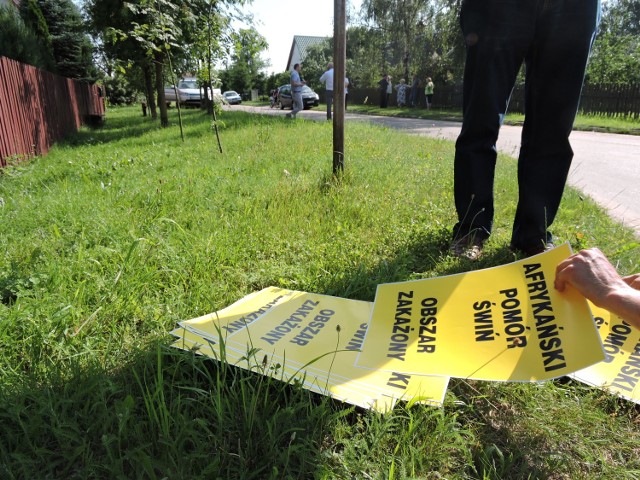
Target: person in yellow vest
pixel 428 92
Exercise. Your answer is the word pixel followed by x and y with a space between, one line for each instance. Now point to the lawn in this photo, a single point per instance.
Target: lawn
pixel 122 232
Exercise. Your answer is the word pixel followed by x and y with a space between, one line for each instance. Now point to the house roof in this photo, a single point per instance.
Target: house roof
pixel 299 48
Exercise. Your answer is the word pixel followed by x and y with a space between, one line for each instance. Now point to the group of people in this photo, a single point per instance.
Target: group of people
pixel 326 78
pixel 407 95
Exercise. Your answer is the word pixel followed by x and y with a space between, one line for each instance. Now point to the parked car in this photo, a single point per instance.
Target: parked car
pixel 232 97
pixel 189 93
pixel 309 97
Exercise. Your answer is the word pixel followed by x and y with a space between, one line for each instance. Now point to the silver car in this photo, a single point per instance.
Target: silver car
pixel 232 98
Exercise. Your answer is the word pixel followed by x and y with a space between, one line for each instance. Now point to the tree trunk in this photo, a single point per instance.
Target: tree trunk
pixel 162 103
pixel 148 87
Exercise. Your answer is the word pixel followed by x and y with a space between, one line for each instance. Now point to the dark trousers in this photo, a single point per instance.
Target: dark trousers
pixel 553 39
pixel 329 100
pixel 383 98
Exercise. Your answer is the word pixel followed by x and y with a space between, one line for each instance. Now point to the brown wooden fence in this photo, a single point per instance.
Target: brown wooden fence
pixel 610 100
pixel 37 108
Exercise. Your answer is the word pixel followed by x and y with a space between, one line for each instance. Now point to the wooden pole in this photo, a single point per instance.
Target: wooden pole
pixel 339 70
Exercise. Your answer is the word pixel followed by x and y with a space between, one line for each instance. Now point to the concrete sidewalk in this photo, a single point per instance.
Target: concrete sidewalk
pixel 606 166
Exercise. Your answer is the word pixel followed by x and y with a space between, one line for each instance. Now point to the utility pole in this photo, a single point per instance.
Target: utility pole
pixel 339 70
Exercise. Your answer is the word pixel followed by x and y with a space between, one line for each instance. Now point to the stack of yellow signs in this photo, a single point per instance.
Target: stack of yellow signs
pixel 619 372
pixel 505 323
pixel 312 338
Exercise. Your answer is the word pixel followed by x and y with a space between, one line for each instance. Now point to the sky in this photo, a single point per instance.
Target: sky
pixel 279 20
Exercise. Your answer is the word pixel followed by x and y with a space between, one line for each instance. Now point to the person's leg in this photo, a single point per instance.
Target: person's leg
pixel 329 99
pixel 555 72
pixel 497 34
pixel 296 98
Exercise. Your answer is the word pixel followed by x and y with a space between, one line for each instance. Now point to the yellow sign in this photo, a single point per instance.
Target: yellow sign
pixel 505 323
pixel 318 337
pixel 619 372
pixel 321 335
pixel 219 325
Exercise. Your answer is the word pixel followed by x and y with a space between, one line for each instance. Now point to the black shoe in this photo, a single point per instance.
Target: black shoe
pixel 534 250
pixel 468 246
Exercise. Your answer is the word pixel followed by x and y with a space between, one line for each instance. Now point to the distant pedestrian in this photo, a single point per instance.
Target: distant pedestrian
pixel 389 89
pixel 346 92
pixel 415 86
pixel 428 92
pixel 401 88
pixel 327 79
pixel 296 91
pixel 383 84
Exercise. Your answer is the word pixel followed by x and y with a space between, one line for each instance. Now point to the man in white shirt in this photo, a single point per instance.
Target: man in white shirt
pixel 327 79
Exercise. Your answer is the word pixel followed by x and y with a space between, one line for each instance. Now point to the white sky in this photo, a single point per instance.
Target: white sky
pixel 279 20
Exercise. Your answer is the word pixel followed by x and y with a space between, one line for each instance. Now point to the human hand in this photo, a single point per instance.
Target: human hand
pixel 591 273
pixel 633 281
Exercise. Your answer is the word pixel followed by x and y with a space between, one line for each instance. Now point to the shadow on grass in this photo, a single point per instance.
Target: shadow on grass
pixel 166 414
pixel 121 126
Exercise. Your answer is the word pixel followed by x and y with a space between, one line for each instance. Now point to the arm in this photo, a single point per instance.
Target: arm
pixel 296 82
pixel 593 276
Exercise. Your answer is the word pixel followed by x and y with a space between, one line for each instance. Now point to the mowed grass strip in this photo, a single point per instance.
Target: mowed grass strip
pixel 120 233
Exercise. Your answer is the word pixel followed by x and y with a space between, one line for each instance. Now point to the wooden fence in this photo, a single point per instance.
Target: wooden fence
pixel 609 100
pixel 37 108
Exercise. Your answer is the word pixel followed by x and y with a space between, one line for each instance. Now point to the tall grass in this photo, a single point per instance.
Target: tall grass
pixel 122 232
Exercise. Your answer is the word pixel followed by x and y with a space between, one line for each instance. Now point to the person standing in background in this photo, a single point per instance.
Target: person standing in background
pixel 346 92
pixel 383 84
pixel 296 91
pixel 401 88
pixel 327 79
pixel 428 92
pixel 415 86
pixel 553 40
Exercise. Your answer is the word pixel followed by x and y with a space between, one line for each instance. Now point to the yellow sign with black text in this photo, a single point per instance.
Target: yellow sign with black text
pixel 278 332
pixel 505 323
pixel 619 372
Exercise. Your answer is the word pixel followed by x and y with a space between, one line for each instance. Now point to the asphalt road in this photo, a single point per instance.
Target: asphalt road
pixel 606 166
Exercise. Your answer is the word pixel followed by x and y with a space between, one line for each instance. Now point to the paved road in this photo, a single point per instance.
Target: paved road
pixel 605 166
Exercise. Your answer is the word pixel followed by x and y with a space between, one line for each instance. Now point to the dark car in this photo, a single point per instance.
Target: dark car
pixel 309 97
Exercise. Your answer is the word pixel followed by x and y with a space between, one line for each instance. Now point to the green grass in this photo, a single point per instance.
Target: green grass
pixel 624 124
pixel 120 233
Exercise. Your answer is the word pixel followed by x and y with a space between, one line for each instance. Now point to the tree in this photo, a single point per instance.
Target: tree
pixel 19 42
pixel 615 59
pixel 403 37
pixel 243 74
pixel 399 22
pixel 122 56
pixel 59 26
pixel 315 62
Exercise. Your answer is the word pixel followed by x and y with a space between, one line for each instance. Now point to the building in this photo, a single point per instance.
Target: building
pixel 299 49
